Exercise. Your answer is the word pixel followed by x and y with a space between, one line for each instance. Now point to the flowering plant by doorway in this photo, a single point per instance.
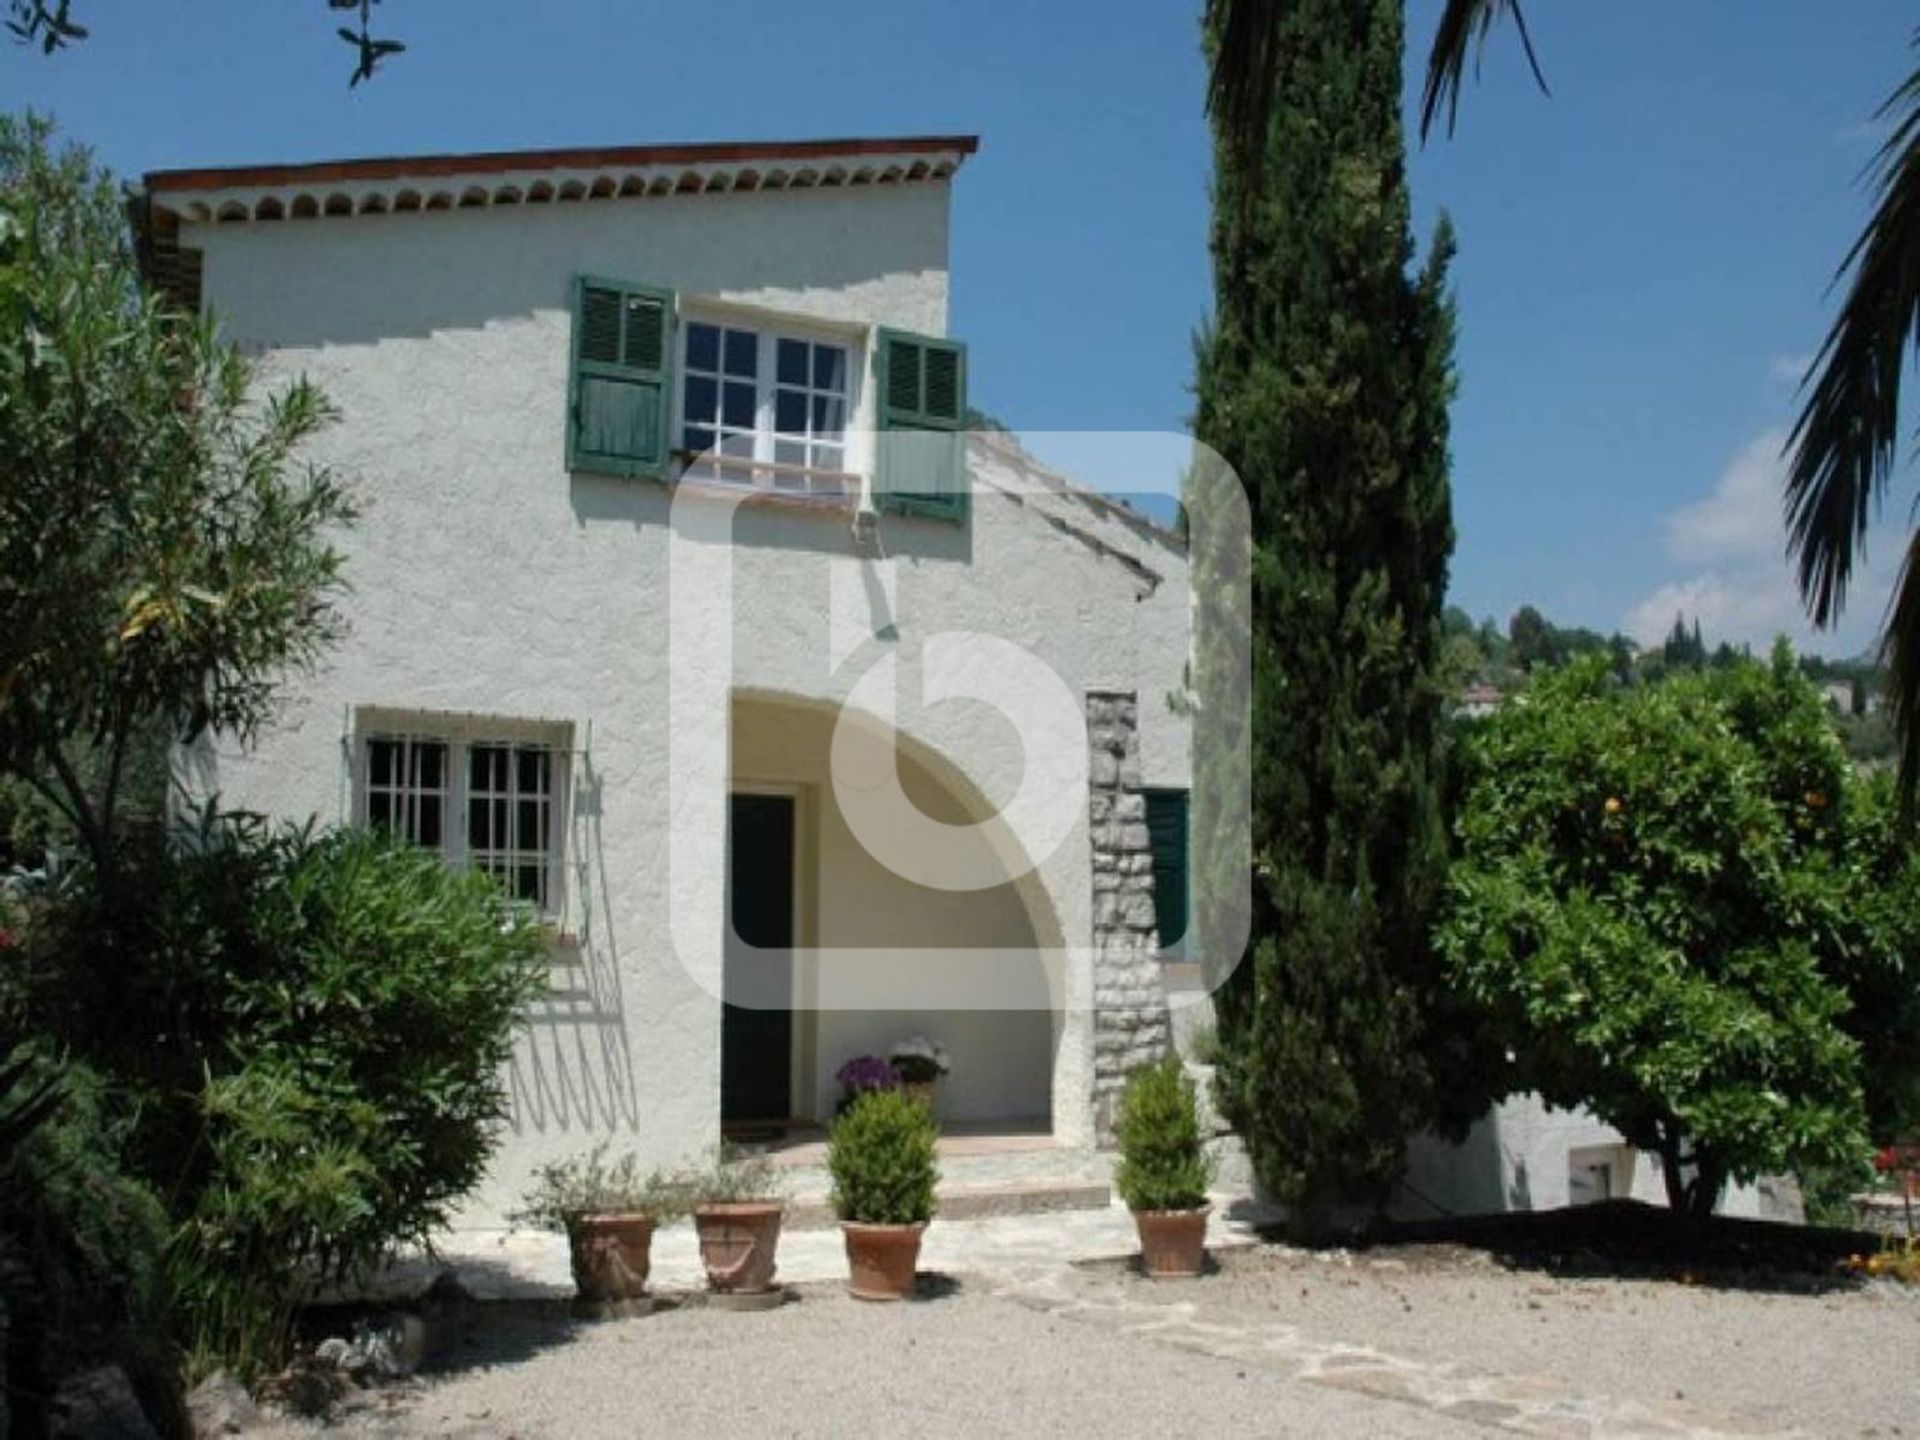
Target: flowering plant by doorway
pixel 862 1074
pixel 920 1061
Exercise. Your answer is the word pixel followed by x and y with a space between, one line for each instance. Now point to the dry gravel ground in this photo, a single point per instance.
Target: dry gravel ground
pixel 963 1364
pixel 1784 1352
pixel 968 1362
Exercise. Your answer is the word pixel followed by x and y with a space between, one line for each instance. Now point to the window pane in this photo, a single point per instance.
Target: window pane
pixel 429 835
pixel 430 758
pixel 527 829
pixel 792 368
pixel 743 353
pixel 790 452
pixel 829 457
pixel 479 833
pixel 737 447
pixel 829 368
pixel 829 415
pixel 702 399
pixel 527 884
pixel 697 439
pixel 380 762
pixel 533 771
pixel 703 347
pixel 790 412
pixel 380 811
pixel 738 406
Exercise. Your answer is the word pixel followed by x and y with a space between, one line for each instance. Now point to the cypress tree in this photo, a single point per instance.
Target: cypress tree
pixel 1324 380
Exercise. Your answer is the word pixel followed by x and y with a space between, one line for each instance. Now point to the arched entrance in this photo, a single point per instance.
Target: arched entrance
pixel 871 957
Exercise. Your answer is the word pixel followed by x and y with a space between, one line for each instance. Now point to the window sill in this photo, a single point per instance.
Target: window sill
pixel 759 481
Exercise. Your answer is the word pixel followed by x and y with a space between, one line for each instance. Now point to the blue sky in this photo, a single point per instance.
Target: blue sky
pixel 1643 256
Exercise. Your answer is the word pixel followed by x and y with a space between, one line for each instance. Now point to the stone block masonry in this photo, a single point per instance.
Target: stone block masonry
pixel 1130 1020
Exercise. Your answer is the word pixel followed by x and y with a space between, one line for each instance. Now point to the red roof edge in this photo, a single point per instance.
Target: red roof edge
pixel 607 157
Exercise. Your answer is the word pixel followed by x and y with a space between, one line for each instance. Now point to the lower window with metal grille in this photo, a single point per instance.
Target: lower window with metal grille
pixel 489 803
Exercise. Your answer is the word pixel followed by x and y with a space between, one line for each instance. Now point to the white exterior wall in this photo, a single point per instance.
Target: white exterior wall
pixel 486 579
pixel 1520 1157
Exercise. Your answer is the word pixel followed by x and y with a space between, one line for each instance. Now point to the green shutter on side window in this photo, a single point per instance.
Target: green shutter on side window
pixel 1167 833
pixel 921 465
pixel 622 380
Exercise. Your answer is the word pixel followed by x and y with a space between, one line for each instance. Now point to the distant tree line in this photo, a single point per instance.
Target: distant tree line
pixel 1481 653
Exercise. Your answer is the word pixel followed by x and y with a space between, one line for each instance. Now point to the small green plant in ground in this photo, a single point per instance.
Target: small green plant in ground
pixel 731 1177
pixel 881 1156
pixel 593 1184
pixel 1163 1165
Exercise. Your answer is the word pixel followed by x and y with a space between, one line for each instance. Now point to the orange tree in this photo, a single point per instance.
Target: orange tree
pixel 1684 910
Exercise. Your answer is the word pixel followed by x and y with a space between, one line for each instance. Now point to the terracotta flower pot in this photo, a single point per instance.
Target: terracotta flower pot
pixel 1173 1243
pixel 737 1244
pixel 881 1259
pixel 611 1255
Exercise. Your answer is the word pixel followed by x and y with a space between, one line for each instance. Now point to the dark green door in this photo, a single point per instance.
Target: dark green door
pixel 756 1027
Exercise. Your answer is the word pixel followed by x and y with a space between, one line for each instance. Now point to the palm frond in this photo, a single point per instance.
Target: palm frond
pixel 1243 39
pixel 1842 447
pixel 1900 653
pixel 1464 26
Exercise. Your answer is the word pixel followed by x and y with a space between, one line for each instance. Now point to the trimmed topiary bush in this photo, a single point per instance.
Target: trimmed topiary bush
pixel 1163 1165
pixel 880 1153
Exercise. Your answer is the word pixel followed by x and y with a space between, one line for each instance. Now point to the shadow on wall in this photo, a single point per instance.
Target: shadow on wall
pixel 573 1069
pixel 385 277
pixel 1473 1177
pixel 782 528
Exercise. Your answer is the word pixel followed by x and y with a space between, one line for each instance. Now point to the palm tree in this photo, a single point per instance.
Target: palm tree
pixel 1842 449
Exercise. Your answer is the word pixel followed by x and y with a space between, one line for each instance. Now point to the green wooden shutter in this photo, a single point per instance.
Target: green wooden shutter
pixel 621 388
pixel 921 466
pixel 1167 833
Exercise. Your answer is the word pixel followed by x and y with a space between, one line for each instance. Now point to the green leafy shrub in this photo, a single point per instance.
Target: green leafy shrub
pixel 1163 1165
pixel 880 1154
pixel 591 1184
pixel 83 1249
pixel 311 1030
pixel 1684 910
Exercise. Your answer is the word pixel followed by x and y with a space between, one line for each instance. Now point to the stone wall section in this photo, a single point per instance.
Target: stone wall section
pixel 1130 1021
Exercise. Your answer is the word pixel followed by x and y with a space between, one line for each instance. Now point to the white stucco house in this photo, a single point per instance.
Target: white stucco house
pixel 684 602
pixel 665 488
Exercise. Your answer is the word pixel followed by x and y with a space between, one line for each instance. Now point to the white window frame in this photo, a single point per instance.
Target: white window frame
pixel 460 734
pixel 761 474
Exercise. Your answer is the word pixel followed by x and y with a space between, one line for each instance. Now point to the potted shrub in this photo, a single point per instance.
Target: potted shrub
pixel 880 1154
pixel 608 1211
pixel 736 1213
pixel 861 1074
pixel 919 1062
pixel 1164 1170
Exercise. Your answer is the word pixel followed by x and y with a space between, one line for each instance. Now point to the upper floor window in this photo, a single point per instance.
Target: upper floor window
pixel 769 405
pixel 757 406
pixel 483 801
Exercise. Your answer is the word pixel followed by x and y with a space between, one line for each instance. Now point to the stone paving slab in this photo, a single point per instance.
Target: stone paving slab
pixel 1524 1404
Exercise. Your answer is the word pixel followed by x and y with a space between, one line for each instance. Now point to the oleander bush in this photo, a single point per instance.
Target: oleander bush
pixel 83 1248
pixel 311 1030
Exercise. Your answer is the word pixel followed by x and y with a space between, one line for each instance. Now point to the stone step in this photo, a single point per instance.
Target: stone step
pixel 976 1202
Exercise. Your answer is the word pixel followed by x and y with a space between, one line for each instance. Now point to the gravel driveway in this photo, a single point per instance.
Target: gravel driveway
pixel 965 1364
pixel 1111 1355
